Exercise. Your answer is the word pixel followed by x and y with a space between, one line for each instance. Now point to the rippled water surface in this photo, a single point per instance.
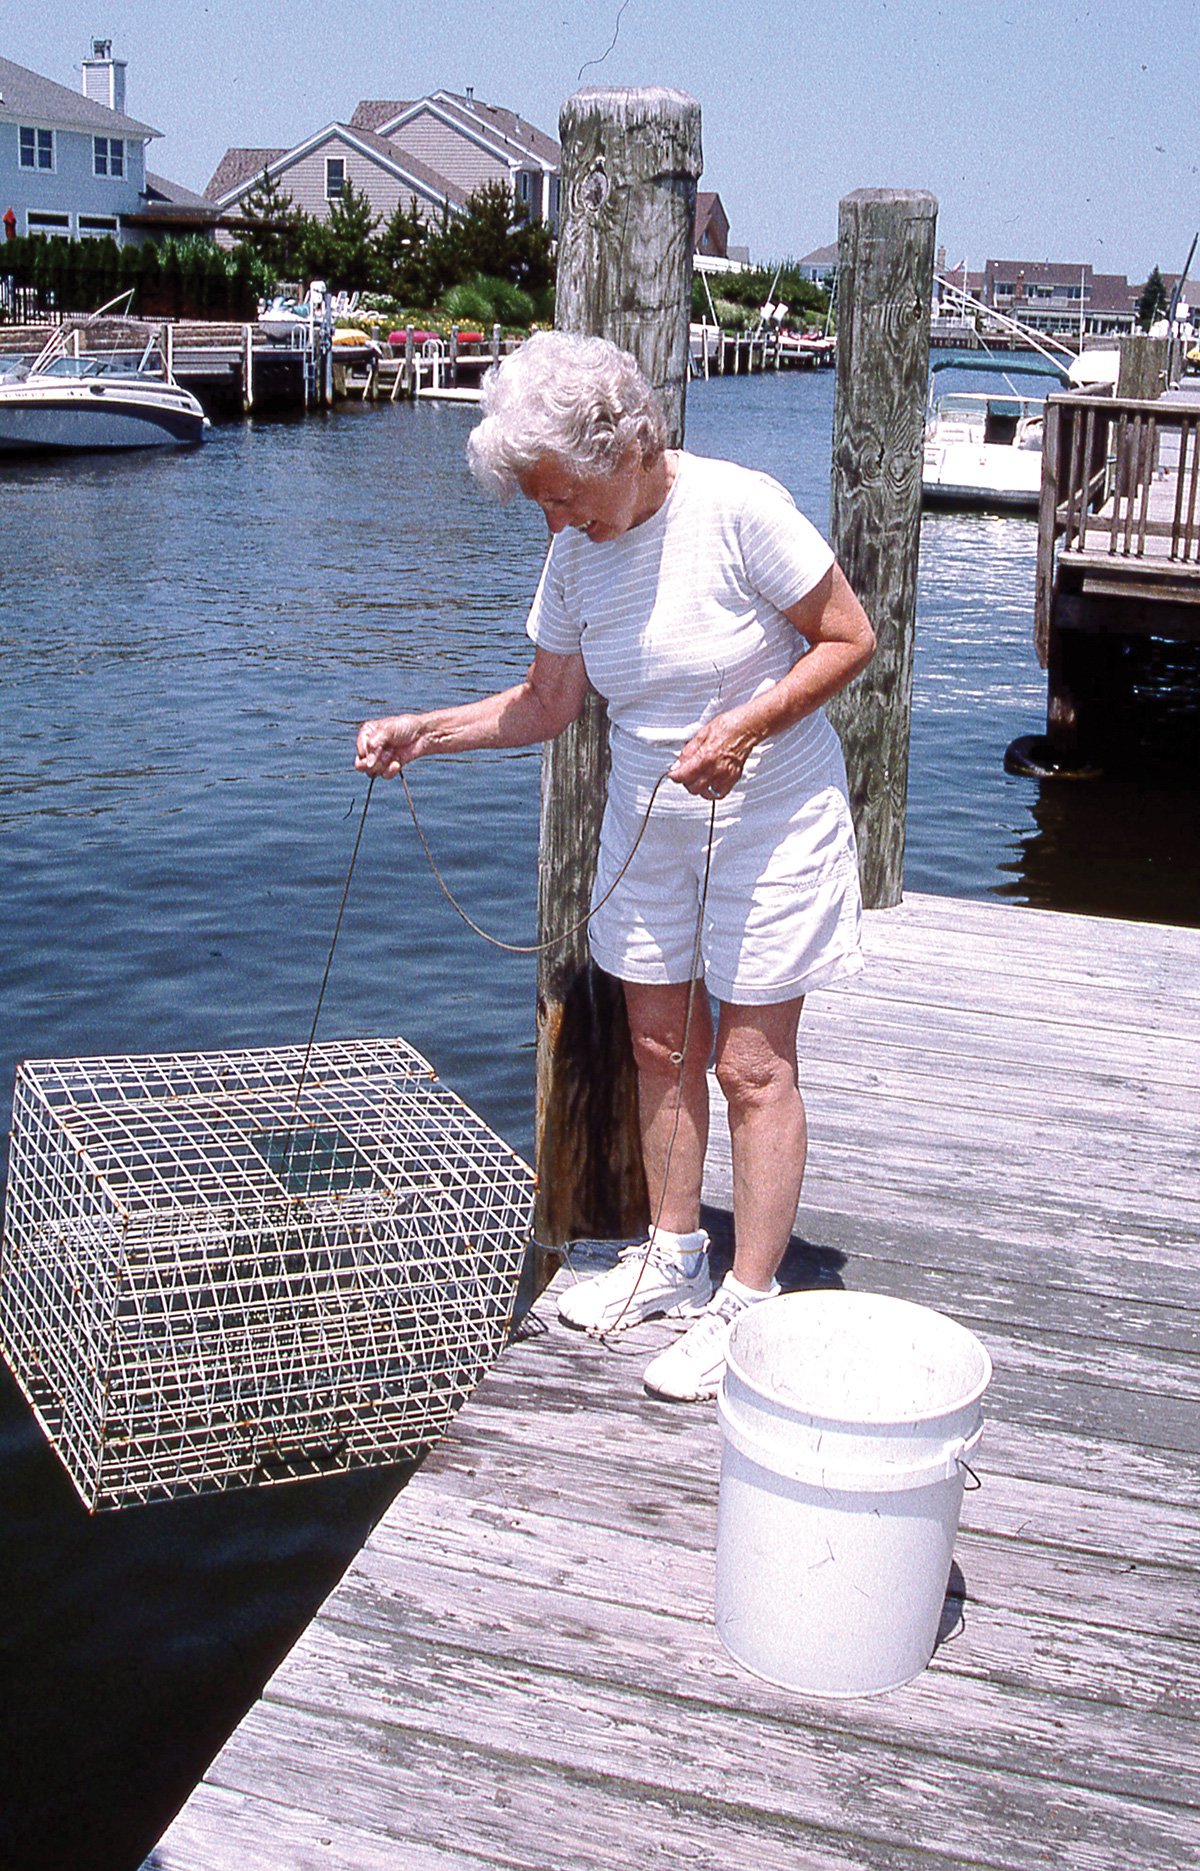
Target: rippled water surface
pixel 186 647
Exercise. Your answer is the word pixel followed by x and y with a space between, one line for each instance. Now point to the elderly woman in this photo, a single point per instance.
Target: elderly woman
pixel 712 618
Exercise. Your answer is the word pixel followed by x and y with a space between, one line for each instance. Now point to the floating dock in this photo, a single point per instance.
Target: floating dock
pixel 521 1669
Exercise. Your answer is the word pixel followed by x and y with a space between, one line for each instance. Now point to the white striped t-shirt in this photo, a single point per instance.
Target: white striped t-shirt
pixel 680 618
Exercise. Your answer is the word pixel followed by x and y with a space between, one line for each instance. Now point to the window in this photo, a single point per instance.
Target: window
pixel 108 156
pixel 97 226
pixel 37 148
pixel 335 177
pixel 52 226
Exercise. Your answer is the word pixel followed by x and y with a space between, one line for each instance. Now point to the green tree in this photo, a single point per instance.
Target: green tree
pixel 400 253
pixel 274 227
pixel 341 250
pixel 492 237
pixel 1154 302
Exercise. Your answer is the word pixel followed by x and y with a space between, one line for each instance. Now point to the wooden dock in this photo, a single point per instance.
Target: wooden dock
pixel 1118 541
pixel 521 1670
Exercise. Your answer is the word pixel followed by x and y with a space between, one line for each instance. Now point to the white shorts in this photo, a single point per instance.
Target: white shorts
pixel 783 912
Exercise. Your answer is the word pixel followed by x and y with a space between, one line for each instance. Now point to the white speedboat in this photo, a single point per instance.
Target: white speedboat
pixel 983 451
pixel 98 383
pixel 983 446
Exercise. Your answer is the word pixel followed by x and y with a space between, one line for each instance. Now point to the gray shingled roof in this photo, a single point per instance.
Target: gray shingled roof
pixel 26 97
pixel 370 112
pixel 237 166
pixel 508 124
pixel 158 188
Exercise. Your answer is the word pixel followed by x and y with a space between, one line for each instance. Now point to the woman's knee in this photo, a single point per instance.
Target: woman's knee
pixel 658 1027
pixel 753 1072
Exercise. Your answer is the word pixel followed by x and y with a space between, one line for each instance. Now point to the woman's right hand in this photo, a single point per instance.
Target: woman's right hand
pixel 386 745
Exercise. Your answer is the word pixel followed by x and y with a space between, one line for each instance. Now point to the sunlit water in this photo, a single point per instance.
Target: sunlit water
pixel 186 647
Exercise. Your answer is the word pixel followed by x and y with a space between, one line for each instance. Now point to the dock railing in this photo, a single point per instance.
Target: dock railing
pixel 1120 492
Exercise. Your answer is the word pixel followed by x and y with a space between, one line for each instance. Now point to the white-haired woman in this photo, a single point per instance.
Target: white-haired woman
pixel 711 616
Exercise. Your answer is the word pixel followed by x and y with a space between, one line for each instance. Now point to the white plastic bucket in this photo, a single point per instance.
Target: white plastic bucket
pixel 847 1420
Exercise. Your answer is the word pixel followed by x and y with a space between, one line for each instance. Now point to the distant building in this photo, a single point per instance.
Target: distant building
pixel 821 265
pixel 430 153
pixel 1060 299
pixel 74 164
pixel 712 227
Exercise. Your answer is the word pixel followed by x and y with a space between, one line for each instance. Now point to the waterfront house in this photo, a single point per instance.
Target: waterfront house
pixel 712 227
pixel 430 153
pixel 1061 299
pixel 73 163
pixel 473 143
pixel 820 265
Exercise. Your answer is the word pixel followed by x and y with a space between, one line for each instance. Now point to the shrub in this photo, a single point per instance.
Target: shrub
pixel 487 300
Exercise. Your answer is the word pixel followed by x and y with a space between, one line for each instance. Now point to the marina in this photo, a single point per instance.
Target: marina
pixel 327 1543
pixel 209 785
pixel 521 1669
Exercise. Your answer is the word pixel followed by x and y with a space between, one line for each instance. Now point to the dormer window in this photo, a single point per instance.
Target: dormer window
pixel 108 156
pixel 37 148
pixel 335 177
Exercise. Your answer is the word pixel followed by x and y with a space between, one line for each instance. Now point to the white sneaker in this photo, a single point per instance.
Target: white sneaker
pixel 690 1370
pixel 644 1284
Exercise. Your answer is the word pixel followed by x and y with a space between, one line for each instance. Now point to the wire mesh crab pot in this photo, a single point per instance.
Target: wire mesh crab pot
pixel 221 1268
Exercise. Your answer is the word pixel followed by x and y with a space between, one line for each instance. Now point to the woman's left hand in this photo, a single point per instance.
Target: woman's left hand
pixel 711 764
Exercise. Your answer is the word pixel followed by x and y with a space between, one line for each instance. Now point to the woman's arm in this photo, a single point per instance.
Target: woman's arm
pixel 841 644
pixel 549 698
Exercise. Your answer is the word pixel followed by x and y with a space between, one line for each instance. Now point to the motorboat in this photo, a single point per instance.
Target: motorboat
pixel 983 451
pixel 983 448
pixel 99 382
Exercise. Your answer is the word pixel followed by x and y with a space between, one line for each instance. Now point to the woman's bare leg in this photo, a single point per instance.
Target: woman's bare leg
pixel 657 1017
pixel 757 1071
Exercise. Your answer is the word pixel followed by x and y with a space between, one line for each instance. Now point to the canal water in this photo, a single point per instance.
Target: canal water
pixel 186 647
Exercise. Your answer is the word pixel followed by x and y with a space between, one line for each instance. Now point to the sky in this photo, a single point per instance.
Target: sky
pixel 1047 130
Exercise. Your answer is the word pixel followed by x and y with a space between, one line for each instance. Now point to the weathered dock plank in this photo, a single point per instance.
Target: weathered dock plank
pixel 521 1669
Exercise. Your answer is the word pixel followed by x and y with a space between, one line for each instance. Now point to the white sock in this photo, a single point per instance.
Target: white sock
pixel 688 1249
pixel 748 1295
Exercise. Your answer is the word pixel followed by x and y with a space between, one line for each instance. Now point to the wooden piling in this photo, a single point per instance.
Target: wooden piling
pixel 1143 368
pixel 885 285
pixel 631 160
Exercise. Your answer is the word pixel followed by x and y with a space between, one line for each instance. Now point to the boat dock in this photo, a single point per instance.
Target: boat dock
pixel 1118 541
pixel 719 353
pixel 521 1669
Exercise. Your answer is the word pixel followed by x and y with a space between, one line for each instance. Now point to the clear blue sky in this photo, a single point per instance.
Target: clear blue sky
pixel 1047 130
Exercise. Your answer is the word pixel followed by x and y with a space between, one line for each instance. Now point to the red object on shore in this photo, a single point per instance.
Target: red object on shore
pixel 10 224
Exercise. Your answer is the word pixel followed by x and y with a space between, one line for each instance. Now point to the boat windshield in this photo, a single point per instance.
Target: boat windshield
pixel 109 364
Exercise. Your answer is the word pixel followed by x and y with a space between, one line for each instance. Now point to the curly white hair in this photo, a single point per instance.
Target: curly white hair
pixel 582 400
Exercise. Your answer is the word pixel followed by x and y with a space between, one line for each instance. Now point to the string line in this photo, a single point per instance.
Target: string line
pixel 312 1033
pixel 529 948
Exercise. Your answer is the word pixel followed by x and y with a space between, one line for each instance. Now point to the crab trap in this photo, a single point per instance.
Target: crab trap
pixel 228 1267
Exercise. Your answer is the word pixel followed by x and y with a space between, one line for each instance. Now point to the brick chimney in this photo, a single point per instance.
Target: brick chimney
pixel 104 76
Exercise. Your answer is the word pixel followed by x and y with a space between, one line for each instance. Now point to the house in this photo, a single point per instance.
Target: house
pixel 472 144
pixel 430 153
pixel 821 265
pixel 73 163
pixel 712 227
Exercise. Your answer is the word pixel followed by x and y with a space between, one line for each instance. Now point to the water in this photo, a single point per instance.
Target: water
pixel 186 647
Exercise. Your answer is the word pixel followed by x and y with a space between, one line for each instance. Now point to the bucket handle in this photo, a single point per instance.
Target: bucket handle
pixel 947 1464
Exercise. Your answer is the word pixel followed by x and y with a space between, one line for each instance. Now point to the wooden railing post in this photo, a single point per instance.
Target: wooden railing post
pixel 630 163
pixel 885 286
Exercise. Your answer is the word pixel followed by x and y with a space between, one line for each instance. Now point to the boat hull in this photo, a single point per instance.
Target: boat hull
pixel 96 418
pixel 991 478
